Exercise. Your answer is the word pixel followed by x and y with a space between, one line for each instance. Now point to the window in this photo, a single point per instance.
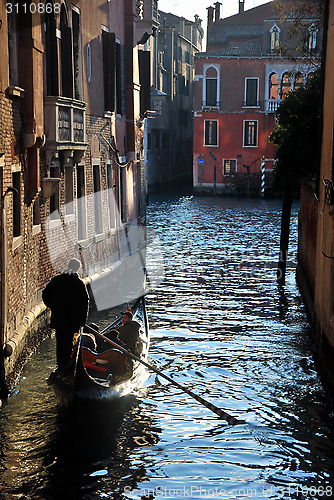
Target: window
pixel 299 80
pixel 66 54
pixel 312 38
pixel 274 38
pixel 16 179
pixel 119 79
pixel 211 87
pixel 51 54
pixel 286 85
pixel 211 133
pixel 77 53
pixel 81 203
pixel 111 196
pixel 145 80
pixel 109 61
pixel 251 92
pixel 12 48
pixel 230 167
pixel 97 195
pixel 69 206
pixel 36 214
pixel 250 133
pixel 89 63
pixel 273 86
pixel 54 200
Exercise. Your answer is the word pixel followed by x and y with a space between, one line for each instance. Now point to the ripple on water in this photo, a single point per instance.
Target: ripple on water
pixel 220 326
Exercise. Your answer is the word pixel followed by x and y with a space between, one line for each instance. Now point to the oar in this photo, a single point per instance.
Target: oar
pixel 221 413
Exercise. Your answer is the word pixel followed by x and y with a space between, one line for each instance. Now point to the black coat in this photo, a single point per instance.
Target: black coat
pixel 68 299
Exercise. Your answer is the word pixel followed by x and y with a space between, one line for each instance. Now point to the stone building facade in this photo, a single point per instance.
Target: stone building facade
pixel 71 152
pixel 169 136
pixel 250 64
pixel 315 270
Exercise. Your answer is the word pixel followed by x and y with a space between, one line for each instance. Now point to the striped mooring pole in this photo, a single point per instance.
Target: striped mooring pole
pixel 263 175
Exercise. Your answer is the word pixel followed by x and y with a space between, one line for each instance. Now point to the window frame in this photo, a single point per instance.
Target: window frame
pixel 256 123
pixel 232 172
pixel 257 79
pixel 274 38
pixel 97 196
pixel 217 133
pixel 204 90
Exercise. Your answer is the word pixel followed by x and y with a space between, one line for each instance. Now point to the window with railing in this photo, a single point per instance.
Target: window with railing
pixel 273 86
pixel 286 85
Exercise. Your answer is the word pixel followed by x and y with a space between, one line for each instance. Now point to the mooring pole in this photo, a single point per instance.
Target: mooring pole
pixel 263 175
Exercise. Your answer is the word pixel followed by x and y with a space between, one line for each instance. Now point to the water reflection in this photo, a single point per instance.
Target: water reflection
pixel 219 325
pixel 47 452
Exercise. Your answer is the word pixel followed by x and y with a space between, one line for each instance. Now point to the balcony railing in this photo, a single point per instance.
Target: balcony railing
pixel 65 123
pixel 272 105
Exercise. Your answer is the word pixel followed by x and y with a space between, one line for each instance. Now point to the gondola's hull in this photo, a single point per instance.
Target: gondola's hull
pixel 75 385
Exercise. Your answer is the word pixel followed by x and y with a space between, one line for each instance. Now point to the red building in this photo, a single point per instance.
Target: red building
pixel 251 63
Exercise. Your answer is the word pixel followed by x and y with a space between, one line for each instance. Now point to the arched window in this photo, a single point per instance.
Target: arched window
pixel 286 85
pixel 312 38
pixel 273 86
pixel 299 80
pixel 66 54
pixel 51 54
pixel 274 38
pixel 211 87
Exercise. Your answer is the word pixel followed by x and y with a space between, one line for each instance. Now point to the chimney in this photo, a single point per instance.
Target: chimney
pixel 241 6
pixel 210 15
pixel 217 11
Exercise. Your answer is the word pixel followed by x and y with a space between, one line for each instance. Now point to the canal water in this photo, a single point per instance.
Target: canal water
pixel 221 326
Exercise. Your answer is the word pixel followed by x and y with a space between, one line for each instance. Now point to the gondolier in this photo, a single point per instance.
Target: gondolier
pixel 67 297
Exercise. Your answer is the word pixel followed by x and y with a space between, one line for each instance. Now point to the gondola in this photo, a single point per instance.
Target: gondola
pixel 94 377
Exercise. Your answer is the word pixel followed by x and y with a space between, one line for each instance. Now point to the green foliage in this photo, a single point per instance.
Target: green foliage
pixel 296 137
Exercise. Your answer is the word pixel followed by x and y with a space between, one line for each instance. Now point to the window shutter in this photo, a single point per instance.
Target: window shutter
pixel 109 57
pixel 145 80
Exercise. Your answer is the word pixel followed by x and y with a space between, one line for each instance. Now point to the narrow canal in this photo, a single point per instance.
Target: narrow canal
pixel 220 325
